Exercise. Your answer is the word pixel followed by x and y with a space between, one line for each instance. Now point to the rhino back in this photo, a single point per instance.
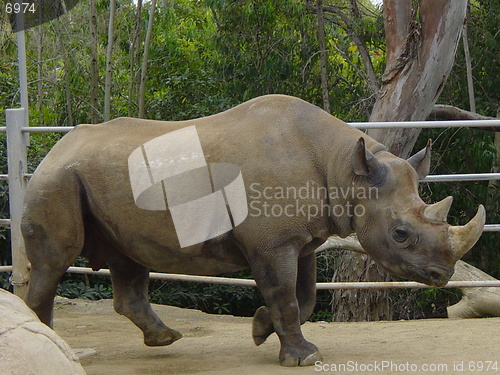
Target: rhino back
pixel 275 140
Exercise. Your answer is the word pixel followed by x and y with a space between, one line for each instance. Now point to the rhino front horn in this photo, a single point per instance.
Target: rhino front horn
pixel 462 238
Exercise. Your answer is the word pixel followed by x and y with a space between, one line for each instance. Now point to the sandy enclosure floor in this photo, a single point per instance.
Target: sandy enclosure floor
pixel 217 344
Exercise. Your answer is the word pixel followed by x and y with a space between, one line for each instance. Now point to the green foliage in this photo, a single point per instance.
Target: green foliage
pixel 321 316
pixel 423 303
pixel 71 289
pixel 210 298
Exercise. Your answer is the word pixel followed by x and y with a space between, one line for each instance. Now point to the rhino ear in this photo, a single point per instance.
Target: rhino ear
pixel 364 163
pixel 421 161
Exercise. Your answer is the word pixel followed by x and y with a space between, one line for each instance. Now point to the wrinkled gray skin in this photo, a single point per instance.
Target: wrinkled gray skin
pixel 79 202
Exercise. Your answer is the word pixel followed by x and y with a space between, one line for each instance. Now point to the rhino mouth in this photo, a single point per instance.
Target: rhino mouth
pixel 432 275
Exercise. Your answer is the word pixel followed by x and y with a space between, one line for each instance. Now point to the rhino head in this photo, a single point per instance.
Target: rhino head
pixel 407 237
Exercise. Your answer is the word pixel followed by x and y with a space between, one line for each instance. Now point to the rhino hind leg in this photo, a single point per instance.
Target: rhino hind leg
pixel 49 259
pixel 42 290
pixel 277 274
pixel 262 325
pixel 130 298
pixel 52 228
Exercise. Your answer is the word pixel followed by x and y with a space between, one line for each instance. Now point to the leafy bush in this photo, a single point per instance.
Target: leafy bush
pixel 210 298
pixel 71 289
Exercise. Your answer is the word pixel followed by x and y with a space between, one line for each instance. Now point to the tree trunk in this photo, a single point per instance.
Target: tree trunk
pixel 109 56
pixel 144 69
pixel 421 46
pixel 134 59
pixel 64 55
pixel 362 304
pixel 39 67
pixel 323 55
pixel 94 67
pixel 421 41
pixel 468 66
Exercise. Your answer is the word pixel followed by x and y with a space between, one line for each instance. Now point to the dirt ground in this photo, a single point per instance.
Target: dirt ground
pixel 216 344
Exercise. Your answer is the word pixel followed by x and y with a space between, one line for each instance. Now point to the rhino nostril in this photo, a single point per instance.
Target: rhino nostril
pixel 435 275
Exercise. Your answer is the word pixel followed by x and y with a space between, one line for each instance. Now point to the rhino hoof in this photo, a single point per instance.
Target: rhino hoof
pixel 162 339
pixel 292 361
pixel 297 356
pixel 311 359
pixel 262 325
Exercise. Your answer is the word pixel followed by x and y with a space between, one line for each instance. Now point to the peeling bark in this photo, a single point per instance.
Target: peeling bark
pixel 421 47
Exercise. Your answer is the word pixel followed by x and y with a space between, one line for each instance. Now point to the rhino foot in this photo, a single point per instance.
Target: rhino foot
pixel 305 354
pixel 162 338
pixel 262 325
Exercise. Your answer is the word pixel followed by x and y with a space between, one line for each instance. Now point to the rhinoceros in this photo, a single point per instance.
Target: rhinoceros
pixel 258 186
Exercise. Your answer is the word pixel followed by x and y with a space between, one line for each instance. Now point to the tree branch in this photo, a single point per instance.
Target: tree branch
pixel 449 112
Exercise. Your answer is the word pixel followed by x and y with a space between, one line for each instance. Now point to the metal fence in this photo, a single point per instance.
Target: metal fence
pixel 17 177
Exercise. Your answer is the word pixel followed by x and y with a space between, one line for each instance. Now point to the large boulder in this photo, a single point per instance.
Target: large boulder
pixel 28 346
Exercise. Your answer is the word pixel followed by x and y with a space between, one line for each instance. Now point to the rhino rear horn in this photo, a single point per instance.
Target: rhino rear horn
pixel 462 238
pixel 421 161
pixel 438 211
pixel 364 163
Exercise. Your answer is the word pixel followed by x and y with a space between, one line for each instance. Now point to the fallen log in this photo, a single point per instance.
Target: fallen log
pixel 475 302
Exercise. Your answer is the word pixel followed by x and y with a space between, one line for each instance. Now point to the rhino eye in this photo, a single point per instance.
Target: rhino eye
pixel 400 234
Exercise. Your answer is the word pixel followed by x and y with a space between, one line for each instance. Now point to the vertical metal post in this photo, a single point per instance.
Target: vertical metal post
pixel 17 167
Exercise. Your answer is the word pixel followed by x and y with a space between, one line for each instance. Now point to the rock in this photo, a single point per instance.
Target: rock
pixel 28 346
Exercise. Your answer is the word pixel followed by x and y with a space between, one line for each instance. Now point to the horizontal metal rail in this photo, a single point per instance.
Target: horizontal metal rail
pixel 426 124
pixel 319 286
pixel 487 227
pixel 4 222
pixel 491 228
pixel 359 125
pixel 430 178
pixel 47 129
pixel 462 177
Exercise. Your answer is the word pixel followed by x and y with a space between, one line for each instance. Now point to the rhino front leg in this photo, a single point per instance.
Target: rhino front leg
pixel 130 298
pixel 276 272
pixel 263 326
